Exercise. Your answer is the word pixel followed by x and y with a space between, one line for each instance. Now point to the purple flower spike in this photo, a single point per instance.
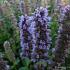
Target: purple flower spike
pixel 35 36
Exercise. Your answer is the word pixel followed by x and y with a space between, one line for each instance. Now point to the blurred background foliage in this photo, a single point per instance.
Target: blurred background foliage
pixel 10 11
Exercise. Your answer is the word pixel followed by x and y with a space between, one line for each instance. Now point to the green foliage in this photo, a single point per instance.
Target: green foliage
pixel 6 31
pixel 54 31
pixel 15 64
pixel 2 1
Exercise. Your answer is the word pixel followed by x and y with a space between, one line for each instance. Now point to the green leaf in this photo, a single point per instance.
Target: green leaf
pixel 26 62
pixel 23 68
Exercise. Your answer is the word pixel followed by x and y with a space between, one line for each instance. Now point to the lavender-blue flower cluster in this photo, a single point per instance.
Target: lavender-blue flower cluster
pixel 34 35
pixel 63 37
pixel 42 37
pixel 65 14
pixel 25 36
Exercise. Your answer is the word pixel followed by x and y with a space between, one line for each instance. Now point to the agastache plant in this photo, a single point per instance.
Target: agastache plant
pixel 34 36
pixel 63 36
pixel 25 36
pixel 41 34
pixel 43 40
